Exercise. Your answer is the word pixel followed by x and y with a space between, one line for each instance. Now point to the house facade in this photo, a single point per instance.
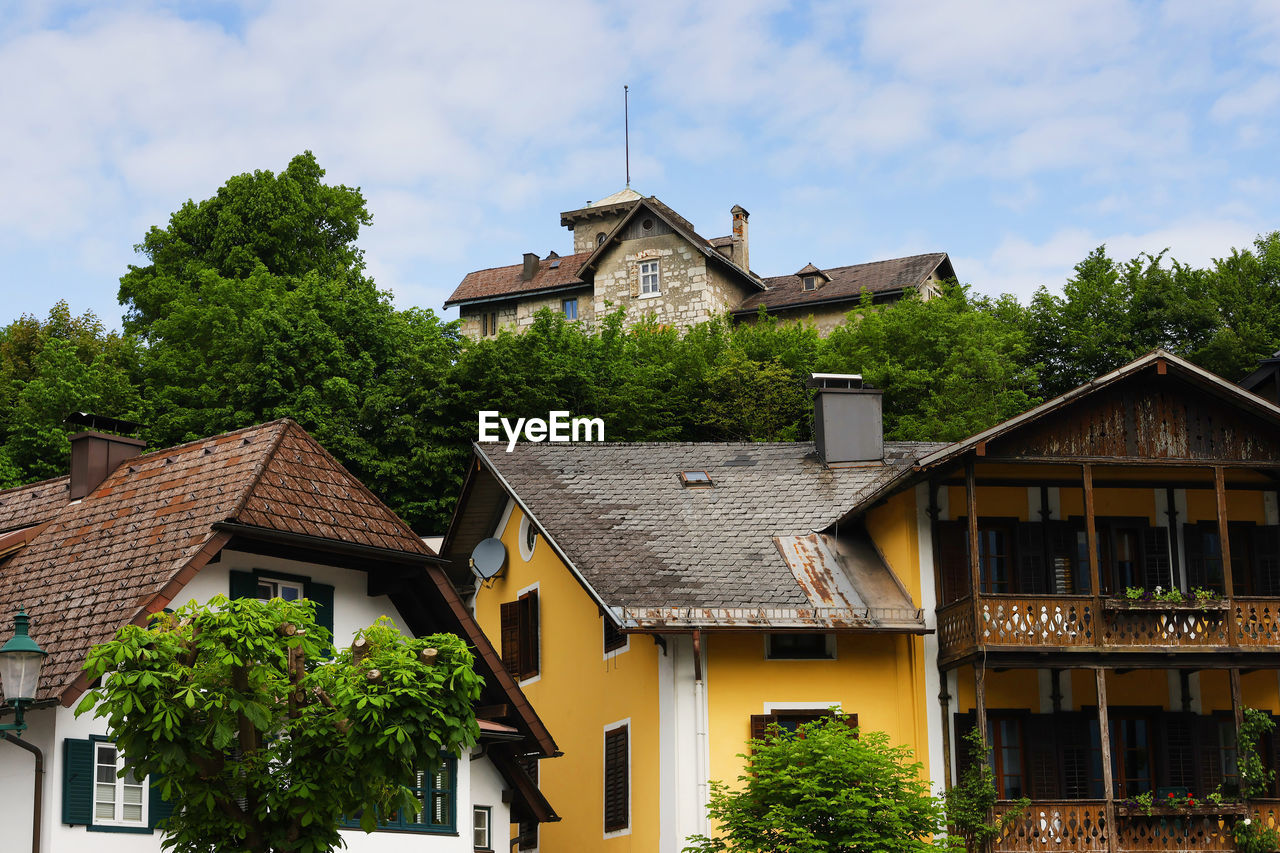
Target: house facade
pixel 634 252
pixel 262 512
pixel 677 598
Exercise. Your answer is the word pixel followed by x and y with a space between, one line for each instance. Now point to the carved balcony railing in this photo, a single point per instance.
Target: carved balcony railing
pixel 1072 622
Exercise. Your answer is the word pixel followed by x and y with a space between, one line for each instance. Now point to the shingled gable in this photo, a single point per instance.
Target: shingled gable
pixel 1187 415
pixel 678 224
pixel 126 549
pixel 634 538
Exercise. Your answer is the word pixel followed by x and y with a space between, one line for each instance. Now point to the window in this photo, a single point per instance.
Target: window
pixel 435 803
pixel 600 238
pixel 800 646
pixel 570 308
pixel 650 284
pixel 117 800
pixel 482 817
pixel 614 639
pixel 695 478
pixel 995 556
pixel 287 590
pixel 811 282
pixel 489 323
pixel 1004 754
pixel 617 779
pixel 520 635
pixel 528 538
pixel 792 719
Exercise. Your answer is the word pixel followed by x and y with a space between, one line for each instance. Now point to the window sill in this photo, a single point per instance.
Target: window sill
pixel 649 295
pixel 131 830
pixel 398 830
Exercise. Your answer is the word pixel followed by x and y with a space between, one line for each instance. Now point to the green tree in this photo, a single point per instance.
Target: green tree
pixel 825 788
pixel 950 366
pixel 49 369
pixel 969 802
pixel 255 305
pixel 1245 287
pixel 754 401
pixel 264 738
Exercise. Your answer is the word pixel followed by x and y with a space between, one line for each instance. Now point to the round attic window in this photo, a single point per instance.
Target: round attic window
pixel 528 539
pixel 600 239
pixel 647 225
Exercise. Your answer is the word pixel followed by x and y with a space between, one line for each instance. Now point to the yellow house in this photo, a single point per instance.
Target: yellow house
pixel 660 603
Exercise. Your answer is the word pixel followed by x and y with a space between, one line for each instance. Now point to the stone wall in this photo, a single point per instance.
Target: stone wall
pixel 586 232
pixel 518 316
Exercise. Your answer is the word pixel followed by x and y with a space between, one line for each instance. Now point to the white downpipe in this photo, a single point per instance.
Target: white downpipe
pixel 702 740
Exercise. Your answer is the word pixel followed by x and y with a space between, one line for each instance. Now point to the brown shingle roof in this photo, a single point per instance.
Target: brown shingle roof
pixel 847 283
pixel 116 554
pixel 506 281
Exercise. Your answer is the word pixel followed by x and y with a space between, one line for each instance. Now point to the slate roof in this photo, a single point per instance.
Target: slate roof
pixel 639 538
pixel 506 281
pixel 125 549
pixel 847 283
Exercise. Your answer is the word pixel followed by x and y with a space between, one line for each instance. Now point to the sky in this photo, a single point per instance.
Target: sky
pixel 1014 136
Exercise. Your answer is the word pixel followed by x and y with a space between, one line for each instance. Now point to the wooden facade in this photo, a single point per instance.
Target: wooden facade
pixel 1043 533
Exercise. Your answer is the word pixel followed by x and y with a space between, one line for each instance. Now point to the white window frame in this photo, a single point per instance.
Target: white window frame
pixel 527 527
pixel 810 282
pixel 278 585
pixel 476 820
pixel 654 269
pixel 119 784
pixel 830 646
pixel 631 816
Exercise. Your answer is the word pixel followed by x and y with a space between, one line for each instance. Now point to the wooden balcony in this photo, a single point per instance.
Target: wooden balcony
pixel 1076 623
pixel 1080 826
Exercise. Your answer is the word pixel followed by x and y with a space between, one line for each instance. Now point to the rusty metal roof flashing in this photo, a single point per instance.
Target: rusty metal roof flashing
pixel 837 619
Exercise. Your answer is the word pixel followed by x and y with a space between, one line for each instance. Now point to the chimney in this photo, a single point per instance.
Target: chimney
pixel 531 263
pixel 847 422
pixel 94 454
pixel 740 255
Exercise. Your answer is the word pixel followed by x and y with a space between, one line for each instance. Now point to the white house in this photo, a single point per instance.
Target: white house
pixel 262 511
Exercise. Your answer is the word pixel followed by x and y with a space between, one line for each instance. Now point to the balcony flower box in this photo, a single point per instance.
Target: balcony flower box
pixel 1213 606
pixel 1206 810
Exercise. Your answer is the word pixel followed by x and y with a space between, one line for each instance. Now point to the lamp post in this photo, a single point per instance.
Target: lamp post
pixel 20 662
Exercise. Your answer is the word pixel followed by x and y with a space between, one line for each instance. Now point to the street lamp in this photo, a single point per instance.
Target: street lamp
pixel 20 661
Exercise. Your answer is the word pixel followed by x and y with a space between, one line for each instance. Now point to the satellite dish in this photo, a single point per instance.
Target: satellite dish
pixel 488 558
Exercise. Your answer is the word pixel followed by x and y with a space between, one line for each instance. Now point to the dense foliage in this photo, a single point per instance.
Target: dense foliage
pixel 969 802
pixel 243 713
pixel 255 305
pixel 825 788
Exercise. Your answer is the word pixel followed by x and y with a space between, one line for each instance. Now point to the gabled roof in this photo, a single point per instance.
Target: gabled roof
pixel 638 538
pixel 558 273
pixel 126 550
pixel 846 284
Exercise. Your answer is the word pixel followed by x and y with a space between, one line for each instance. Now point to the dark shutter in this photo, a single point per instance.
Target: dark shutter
pixel 1193 544
pixel 616 782
pixel 510 632
pixel 77 782
pixel 1031 578
pixel 953 559
pixel 1070 574
pixel 1155 558
pixel 760 725
pixel 965 721
pixel 243 585
pixel 1176 756
pixel 1209 754
pixel 529 634
pixel 321 594
pixel 1266 560
pixel 158 808
pixel 1072 734
pixel 1040 741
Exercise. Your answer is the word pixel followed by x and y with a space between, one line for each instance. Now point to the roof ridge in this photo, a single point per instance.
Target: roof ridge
pixel 514 266
pixel 34 483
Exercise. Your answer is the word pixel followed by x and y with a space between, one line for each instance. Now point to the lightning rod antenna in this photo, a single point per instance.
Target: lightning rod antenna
pixel 626 129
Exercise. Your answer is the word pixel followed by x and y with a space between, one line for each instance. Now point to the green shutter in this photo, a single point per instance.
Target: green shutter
pixel 158 808
pixel 243 585
pixel 322 595
pixel 77 782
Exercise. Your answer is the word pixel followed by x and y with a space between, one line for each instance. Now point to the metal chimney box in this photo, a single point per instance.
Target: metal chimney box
pixel 848 421
pixel 94 455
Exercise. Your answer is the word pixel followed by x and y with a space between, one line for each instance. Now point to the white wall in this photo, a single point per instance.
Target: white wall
pixel 353 609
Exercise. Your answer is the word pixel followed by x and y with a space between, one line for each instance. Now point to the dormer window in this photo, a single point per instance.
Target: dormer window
pixel 811 282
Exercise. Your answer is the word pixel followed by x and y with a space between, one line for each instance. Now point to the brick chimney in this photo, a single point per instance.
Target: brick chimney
pixel 531 263
pixel 94 454
pixel 848 423
pixel 740 254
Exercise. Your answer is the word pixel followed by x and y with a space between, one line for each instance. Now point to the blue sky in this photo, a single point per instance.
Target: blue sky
pixel 1015 136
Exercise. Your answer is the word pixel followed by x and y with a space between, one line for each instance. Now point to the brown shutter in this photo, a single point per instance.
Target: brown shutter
pixel 1266 559
pixel 965 721
pixel 1072 733
pixel 616 780
pixel 953 560
pixel 1070 573
pixel 529 634
pixel 1040 742
pixel 1155 558
pixel 1209 759
pixel 1193 542
pixel 511 637
pixel 1031 577
pixel 1177 753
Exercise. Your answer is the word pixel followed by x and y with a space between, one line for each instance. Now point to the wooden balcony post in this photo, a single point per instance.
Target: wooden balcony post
pixel 1091 542
pixel 1104 739
pixel 1237 705
pixel 944 700
pixel 980 700
pixel 1224 538
pixel 975 574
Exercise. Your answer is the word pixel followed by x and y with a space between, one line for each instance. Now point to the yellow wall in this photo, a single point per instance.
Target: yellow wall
pixel 578 693
pixel 892 526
